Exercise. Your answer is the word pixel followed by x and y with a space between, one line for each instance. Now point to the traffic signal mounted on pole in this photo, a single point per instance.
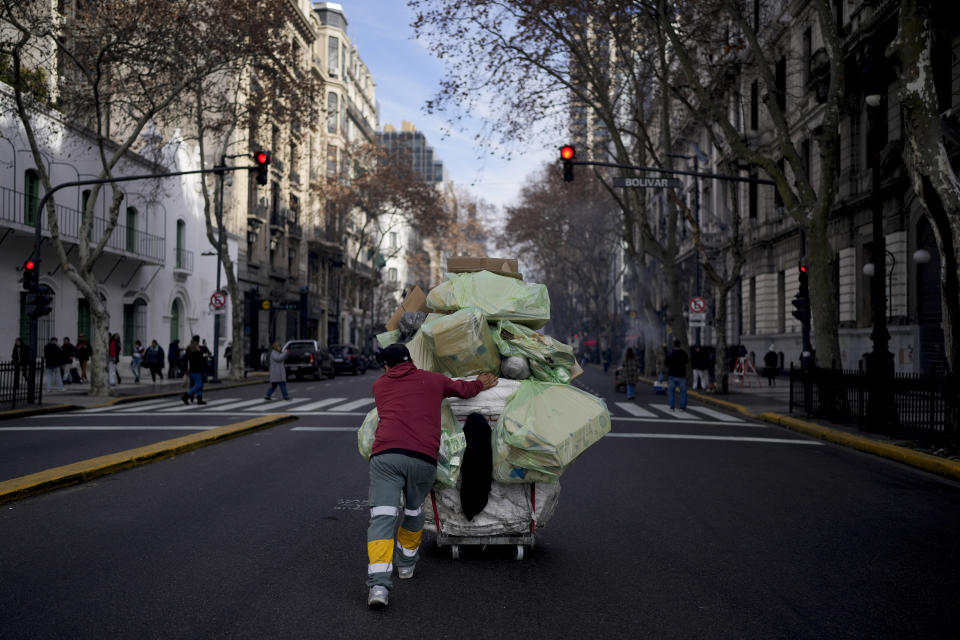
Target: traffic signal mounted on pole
pixel 262 160
pixel 39 303
pixel 30 276
pixel 801 302
pixel 566 154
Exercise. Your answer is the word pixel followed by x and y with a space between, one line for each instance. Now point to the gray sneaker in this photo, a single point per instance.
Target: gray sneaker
pixel 378 598
pixel 405 573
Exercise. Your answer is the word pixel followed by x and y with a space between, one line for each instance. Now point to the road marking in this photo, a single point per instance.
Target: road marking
pixel 678 436
pixel 272 404
pixel 266 409
pixel 666 409
pixel 188 407
pixel 137 427
pixel 245 403
pixel 692 420
pixel 324 428
pixel 352 405
pixel 635 410
pixel 156 404
pixel 318 404
pixel 719 415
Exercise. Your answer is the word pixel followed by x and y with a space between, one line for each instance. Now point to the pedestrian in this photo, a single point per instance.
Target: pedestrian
pixel 698 360
pixel 630 370
pixel 278 371
pixel 21 358
pixel 606 356
pixel 677 375
pixel 153 358
pixel 228 354
pixel 404 462
pixel 83 354
pixel 136 360
pixel 53 358
pixel 113 357
pixel 196 365
pixel 173 356
pixel 67 370
pixel 770 361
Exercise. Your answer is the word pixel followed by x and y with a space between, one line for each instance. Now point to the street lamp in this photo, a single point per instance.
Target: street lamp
pixel 881 408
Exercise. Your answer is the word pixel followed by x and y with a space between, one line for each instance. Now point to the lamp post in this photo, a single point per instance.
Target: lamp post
pixel 881 408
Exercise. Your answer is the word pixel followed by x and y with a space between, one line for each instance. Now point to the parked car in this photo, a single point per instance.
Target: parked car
pixel 307 357
pixel 348 358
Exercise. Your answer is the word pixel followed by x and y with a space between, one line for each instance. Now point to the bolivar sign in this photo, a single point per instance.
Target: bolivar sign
pixel 648 183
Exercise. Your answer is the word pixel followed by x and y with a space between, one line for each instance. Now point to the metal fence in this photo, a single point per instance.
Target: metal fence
pixel 925 408
pixel 18 387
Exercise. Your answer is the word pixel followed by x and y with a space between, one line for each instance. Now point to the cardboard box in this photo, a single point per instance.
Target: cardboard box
pixel 415 301
pixel 501 266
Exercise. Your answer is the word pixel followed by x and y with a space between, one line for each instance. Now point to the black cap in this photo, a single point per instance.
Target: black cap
pixel 395 354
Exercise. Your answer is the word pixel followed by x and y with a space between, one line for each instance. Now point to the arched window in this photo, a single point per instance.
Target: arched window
pixel 181 229
pixel 333 112
pixel 132 229
pixel 31 190
pixel 175 313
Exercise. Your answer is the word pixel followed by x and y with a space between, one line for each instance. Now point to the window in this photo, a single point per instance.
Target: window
pixel 781 80
pixel 331 161
pixel 31 188
pixel 752 196
pixel 754 104
pixel 753 305
pixel 333 56
pixel 805 156
pixel 392 274
pixel 333 113
pixel 175 321
pixel 854 142
pixel 756 15
pixel 179 257
pixel 134 324
pixel 83 318
pixel 131 229
pixel 777 199
pixel 807 53
pixel 393 239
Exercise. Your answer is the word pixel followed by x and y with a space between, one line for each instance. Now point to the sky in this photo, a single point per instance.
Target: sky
pixel 407 75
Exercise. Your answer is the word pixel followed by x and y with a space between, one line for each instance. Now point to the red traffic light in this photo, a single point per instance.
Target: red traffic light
pixel 262 157
pixel 29 265
pixel 803 268
pixel 567 152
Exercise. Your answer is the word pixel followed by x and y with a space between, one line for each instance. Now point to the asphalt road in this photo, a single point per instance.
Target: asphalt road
pixel 672 527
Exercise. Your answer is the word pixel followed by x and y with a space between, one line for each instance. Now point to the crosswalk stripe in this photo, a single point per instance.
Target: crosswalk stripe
pixel 633 409
pixel 666 409
pixel 140 406
pixel 679 436
pixel 270 405
pixel 719 415
pixel 210 403
pixel 352 405
pixel 318 404
pixel 237 405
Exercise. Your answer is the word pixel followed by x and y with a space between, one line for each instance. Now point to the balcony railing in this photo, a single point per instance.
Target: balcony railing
pixel 122 239
pixel 183 260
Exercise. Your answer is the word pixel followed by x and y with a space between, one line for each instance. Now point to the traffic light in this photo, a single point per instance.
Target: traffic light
pixel 30 276
pixel 39 302
pixel 566 154
pixel 801 301
pixel 262 160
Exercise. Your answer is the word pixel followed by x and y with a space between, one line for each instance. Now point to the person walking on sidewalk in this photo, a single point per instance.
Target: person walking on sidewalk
pixel 83 354
pixel 173 356
pixel 67 370
pixel 770 365
pixel 677 375
pixel 114 358
pixel 21 358
pixel 196 364
pixel 53 358
pixel 404 461
pixel 136 360
pixel 630 370
pixel 153 358
pixel 698 360
pixel 278 371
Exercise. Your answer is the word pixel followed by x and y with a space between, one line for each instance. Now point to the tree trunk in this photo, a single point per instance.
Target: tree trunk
pixel 821 262
pixel 721 367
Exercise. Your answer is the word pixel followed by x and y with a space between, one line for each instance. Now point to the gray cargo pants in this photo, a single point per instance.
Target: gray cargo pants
pixel 393 474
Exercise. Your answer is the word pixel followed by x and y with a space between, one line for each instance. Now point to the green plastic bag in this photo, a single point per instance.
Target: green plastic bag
pixel 453 443
pixel 497 297
pixel 543 428
pixel 388 338
pixel 550 360
pixel 462 343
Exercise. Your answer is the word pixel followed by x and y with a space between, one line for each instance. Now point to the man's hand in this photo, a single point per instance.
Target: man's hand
pixel 488 380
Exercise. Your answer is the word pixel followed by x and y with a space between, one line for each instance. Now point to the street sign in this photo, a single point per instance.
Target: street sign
pixel 265 305
pixel 697 324
pixel 218 300
pixel 648 183
pixel 698 304
pixel 698 316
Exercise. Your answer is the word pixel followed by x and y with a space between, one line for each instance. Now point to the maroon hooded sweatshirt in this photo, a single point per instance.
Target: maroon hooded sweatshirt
pixel 408 406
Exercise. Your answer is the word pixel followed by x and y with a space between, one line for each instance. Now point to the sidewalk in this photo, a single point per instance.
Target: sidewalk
pixel 77 396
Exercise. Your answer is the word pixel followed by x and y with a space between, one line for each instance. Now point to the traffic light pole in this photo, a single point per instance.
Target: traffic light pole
pixel 81 183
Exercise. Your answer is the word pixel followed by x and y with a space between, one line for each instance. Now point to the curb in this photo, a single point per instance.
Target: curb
pixel 78 472
pixel 13 414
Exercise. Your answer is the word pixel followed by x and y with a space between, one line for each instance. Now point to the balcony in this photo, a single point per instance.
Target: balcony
pixel 294 230
pixel 127 241
pixel 182 264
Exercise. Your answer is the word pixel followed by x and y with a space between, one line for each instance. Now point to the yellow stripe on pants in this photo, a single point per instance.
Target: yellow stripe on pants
pixel 409 539
pixel 380 551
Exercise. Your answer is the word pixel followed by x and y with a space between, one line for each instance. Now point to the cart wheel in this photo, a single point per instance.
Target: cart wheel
pixel 455 551
pixel 519 552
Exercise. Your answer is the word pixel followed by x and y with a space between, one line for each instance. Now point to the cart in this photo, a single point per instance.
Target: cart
pixel 521 540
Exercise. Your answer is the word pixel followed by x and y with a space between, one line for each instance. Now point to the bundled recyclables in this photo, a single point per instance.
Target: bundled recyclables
pixel 550 360
pixel 452 444
pixel 508 510
pixel 497 297
pixel 462 343
pixel 543 428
